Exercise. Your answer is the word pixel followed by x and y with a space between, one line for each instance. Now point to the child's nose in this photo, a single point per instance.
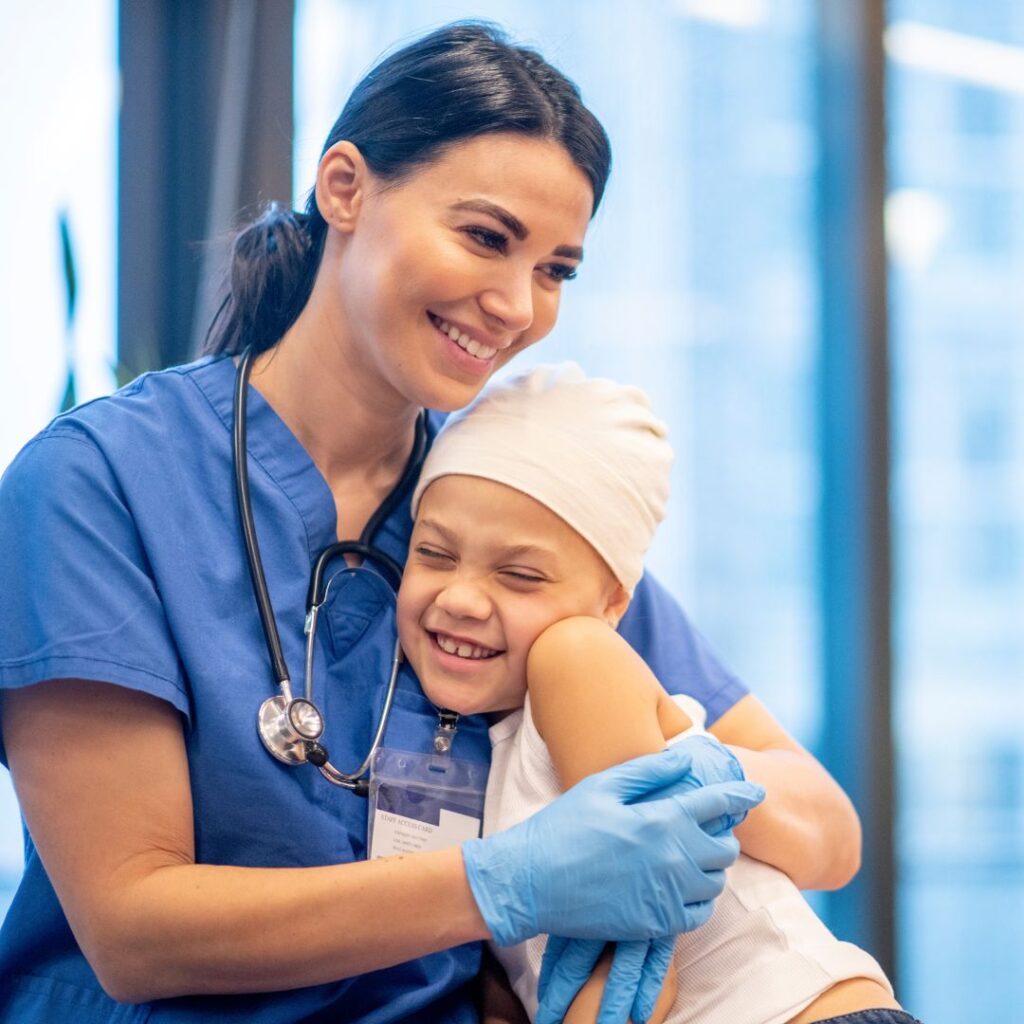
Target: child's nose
pixel 464 599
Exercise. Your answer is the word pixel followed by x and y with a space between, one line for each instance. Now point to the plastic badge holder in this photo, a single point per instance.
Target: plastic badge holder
pixel 423 802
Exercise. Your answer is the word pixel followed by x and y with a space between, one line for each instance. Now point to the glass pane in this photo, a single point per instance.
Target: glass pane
pixel 955 221
pixel 59 66
pixel 698 283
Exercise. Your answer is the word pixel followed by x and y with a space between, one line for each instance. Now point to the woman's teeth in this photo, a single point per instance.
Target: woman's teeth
pixel 471 651
pixel 464 341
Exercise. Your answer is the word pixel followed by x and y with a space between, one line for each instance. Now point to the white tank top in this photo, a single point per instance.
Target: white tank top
pixel 762 957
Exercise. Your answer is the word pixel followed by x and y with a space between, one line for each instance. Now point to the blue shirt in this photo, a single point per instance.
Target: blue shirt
pixel 122 562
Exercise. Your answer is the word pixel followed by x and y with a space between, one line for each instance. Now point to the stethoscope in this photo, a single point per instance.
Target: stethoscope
pixel 289 726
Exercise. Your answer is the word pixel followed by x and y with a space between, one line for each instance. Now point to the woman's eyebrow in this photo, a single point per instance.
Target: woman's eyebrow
pixel 518 229
pixel 513 223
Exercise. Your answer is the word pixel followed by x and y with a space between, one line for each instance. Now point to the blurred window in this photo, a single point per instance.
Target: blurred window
pixel 956 238
pixel 59 176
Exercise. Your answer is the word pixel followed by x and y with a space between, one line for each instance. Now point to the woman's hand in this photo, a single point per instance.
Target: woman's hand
pixel 638 970
pixel 636 980
pixel 612 858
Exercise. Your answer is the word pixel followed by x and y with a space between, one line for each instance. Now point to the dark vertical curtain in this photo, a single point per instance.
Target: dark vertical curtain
pixel 853 383
pixel 205 136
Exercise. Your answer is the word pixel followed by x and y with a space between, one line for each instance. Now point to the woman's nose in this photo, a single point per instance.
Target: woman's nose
pixel 510 301
pixel 464 599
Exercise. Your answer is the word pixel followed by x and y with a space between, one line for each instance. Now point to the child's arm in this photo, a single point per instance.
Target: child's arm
pixel 596 703
pixel 806 827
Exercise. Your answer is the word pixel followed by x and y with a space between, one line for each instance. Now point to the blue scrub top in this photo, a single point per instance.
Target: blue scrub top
pixel 123 562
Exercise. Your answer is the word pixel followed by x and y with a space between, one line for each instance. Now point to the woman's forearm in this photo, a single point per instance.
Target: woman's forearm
pixel 211 929
pixel 118 846
pixel 806 826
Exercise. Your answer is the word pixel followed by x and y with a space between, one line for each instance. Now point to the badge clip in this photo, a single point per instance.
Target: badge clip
pixel 444 737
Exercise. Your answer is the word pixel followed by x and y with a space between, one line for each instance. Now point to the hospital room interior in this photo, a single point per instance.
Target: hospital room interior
pixel 810 256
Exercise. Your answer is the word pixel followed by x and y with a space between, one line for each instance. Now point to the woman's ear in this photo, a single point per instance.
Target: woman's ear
pixel 618 602
pixel 341 185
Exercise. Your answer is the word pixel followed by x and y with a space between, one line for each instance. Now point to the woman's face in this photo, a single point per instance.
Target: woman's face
pixel 443 277
pixel 489 569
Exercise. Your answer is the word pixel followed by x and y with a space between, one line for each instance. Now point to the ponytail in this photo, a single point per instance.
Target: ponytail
pixel 273 265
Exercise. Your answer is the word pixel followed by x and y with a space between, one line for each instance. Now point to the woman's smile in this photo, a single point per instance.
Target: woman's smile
pixel 470 353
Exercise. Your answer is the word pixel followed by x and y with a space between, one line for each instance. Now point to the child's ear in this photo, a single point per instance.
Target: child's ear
pixel 618 602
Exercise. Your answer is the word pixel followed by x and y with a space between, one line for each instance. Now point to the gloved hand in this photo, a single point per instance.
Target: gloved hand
pixel 712 762
pixel 638 968
pixel 633 986
pixel 602 862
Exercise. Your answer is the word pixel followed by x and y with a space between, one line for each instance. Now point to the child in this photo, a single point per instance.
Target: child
pixel 534 512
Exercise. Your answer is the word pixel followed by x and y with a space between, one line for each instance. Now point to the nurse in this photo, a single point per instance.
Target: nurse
pixel 174 870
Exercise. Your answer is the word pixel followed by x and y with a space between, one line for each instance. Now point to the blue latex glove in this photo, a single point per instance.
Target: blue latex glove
pixel 638 968
pixel 602 862
pixel 712 762
pixel 633 986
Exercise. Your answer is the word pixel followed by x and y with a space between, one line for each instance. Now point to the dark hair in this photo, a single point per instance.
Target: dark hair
pixel 463 80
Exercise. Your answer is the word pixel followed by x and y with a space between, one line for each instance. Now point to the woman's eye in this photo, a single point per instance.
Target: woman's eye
pixel 494 240
pixel 560 272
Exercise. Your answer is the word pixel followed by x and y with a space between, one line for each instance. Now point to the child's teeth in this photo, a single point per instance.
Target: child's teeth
pixel 471 651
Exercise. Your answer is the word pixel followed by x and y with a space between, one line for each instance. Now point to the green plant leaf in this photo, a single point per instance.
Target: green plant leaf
pixel 68 401
pixel 68 259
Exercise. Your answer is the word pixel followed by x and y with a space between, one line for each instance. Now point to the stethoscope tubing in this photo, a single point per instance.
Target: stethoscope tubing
pixel 252 546
pixel 284 745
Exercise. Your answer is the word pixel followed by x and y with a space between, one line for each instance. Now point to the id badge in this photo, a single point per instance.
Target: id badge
pixel 423 802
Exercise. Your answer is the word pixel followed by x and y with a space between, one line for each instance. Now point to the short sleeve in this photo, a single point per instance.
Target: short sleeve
pixel 659 631
pixel 78 599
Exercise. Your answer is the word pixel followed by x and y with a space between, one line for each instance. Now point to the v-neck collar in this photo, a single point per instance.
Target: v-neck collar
pixel 275 449
pixel 279 453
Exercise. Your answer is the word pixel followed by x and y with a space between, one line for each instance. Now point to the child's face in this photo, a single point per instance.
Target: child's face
pixel 489 570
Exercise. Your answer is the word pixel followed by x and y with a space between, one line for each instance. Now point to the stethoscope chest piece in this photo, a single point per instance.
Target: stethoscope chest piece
pixel 288 727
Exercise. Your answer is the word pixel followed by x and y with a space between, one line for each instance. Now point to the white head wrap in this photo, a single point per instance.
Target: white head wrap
pixel 589 449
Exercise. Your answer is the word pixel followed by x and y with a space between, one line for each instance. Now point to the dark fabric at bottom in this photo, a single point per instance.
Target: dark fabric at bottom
pixel 873 1017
